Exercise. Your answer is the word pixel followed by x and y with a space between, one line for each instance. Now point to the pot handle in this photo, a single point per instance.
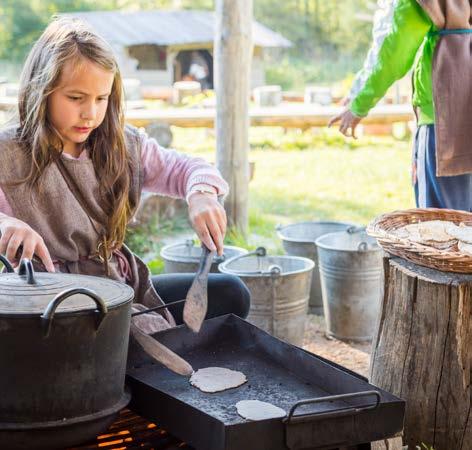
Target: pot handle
pixel 48 315
pixel 26 268
pixel 7 264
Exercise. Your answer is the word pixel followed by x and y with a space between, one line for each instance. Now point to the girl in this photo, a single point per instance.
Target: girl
pixel 71 176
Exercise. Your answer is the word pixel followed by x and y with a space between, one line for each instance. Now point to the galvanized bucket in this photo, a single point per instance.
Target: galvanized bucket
pixel 350 264
pixel 184 257
pixel 280 287
pixel 298 239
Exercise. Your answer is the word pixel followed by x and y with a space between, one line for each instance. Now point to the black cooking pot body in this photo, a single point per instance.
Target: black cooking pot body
pixel 63 349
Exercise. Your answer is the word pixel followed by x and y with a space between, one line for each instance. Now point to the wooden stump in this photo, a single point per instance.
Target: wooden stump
pixel 422 352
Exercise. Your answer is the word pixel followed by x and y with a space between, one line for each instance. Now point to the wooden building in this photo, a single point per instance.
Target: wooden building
pixel 157 47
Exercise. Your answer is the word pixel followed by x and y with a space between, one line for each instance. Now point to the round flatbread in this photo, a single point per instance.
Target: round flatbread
pixel 464 248
pixel 216 379
pixel 462 233
pixel 429 231
pixel 257 410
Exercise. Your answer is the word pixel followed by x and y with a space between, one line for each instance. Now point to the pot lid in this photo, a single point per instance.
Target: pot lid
pixel 29 293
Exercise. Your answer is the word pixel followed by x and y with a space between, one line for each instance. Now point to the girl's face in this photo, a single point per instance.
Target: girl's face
pixel 79 103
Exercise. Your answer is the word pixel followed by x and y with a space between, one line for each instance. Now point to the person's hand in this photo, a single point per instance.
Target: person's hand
pixel 15 233
pixel 208 219
pixel 348 121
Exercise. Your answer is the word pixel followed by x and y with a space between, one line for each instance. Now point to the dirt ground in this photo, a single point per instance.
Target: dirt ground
pixel 354 356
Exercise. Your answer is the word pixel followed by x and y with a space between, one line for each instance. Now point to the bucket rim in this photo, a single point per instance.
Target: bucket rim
pixel 222 267
pixel 281 229
pixel 164 253
pixel 319 244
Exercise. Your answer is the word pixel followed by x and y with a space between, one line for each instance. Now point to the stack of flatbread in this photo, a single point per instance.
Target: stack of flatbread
pixel 439 234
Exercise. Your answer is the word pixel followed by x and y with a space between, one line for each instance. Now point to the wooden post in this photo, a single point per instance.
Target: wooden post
pixel 233 55
pixel 422 352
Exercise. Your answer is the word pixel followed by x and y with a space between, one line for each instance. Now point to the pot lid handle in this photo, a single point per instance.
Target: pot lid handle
pixel 48 315
pixel 26 269
pixel 7 264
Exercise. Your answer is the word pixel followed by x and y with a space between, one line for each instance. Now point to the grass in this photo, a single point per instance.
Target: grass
pixel 306 176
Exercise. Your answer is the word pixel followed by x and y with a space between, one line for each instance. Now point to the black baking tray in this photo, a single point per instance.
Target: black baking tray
pixel 282 374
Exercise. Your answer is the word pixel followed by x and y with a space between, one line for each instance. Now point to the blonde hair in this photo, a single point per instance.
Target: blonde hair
pixel 64 40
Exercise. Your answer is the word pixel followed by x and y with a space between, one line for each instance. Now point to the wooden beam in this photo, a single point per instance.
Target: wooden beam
pixel 287 116
pixel 233 51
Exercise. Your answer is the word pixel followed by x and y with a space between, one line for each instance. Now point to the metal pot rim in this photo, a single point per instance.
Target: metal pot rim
pixel 29 294
pixel 124 400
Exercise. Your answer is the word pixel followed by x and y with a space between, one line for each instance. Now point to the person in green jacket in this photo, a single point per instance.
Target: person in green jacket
pixel 405 37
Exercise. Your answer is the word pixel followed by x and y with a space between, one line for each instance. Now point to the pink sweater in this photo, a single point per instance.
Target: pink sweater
pixel 166 172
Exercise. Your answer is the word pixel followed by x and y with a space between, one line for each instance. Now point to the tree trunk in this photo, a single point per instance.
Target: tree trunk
pixel 422 352
pixel 233 54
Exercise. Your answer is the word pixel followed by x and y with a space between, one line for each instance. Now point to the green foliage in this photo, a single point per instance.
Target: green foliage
pixel 296 140
pixel 296 72
pixel 156 266
pixel 318 27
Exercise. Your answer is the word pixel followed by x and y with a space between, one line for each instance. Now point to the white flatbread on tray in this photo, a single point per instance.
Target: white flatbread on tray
pixel 257 410
pixel 217 379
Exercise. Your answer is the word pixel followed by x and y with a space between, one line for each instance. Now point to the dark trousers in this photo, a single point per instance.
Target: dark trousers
pixel 226 293
pixel 431 191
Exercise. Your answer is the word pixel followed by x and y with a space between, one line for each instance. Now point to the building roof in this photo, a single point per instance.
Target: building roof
pixel 165 28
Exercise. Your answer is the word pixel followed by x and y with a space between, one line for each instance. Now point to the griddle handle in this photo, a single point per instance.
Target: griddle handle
pixel 48 315
pixel 323 415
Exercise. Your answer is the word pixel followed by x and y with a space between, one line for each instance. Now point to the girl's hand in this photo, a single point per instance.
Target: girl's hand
pixel 208 219
pixel 347 121
pixel 15 233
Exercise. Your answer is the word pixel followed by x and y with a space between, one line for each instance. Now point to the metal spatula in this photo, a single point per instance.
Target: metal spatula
pixel 196 302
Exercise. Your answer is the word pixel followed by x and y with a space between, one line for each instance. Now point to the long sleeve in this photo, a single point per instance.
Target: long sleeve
pixel 174 174
pixel 5 207
pixel 380 29
pixel 404 27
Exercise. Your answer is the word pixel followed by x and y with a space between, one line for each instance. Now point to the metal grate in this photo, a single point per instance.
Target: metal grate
pixel 133 432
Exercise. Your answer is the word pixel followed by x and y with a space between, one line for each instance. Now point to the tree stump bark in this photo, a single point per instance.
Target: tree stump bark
pixel 422 352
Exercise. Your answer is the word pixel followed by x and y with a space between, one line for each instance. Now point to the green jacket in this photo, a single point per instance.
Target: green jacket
pixel 404 43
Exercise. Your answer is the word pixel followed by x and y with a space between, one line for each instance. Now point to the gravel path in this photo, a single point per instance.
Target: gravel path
pixel 354 356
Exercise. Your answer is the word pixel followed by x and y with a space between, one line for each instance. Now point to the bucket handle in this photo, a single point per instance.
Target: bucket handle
pixel 363 246
pixel 353 229
pixel 48 315
pixel 274 270
pixel 259 251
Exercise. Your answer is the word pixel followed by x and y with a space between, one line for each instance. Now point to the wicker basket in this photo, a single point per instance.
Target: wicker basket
pixel 424 255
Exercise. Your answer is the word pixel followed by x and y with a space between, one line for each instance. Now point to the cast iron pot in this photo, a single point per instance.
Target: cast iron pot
pixel 63 349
